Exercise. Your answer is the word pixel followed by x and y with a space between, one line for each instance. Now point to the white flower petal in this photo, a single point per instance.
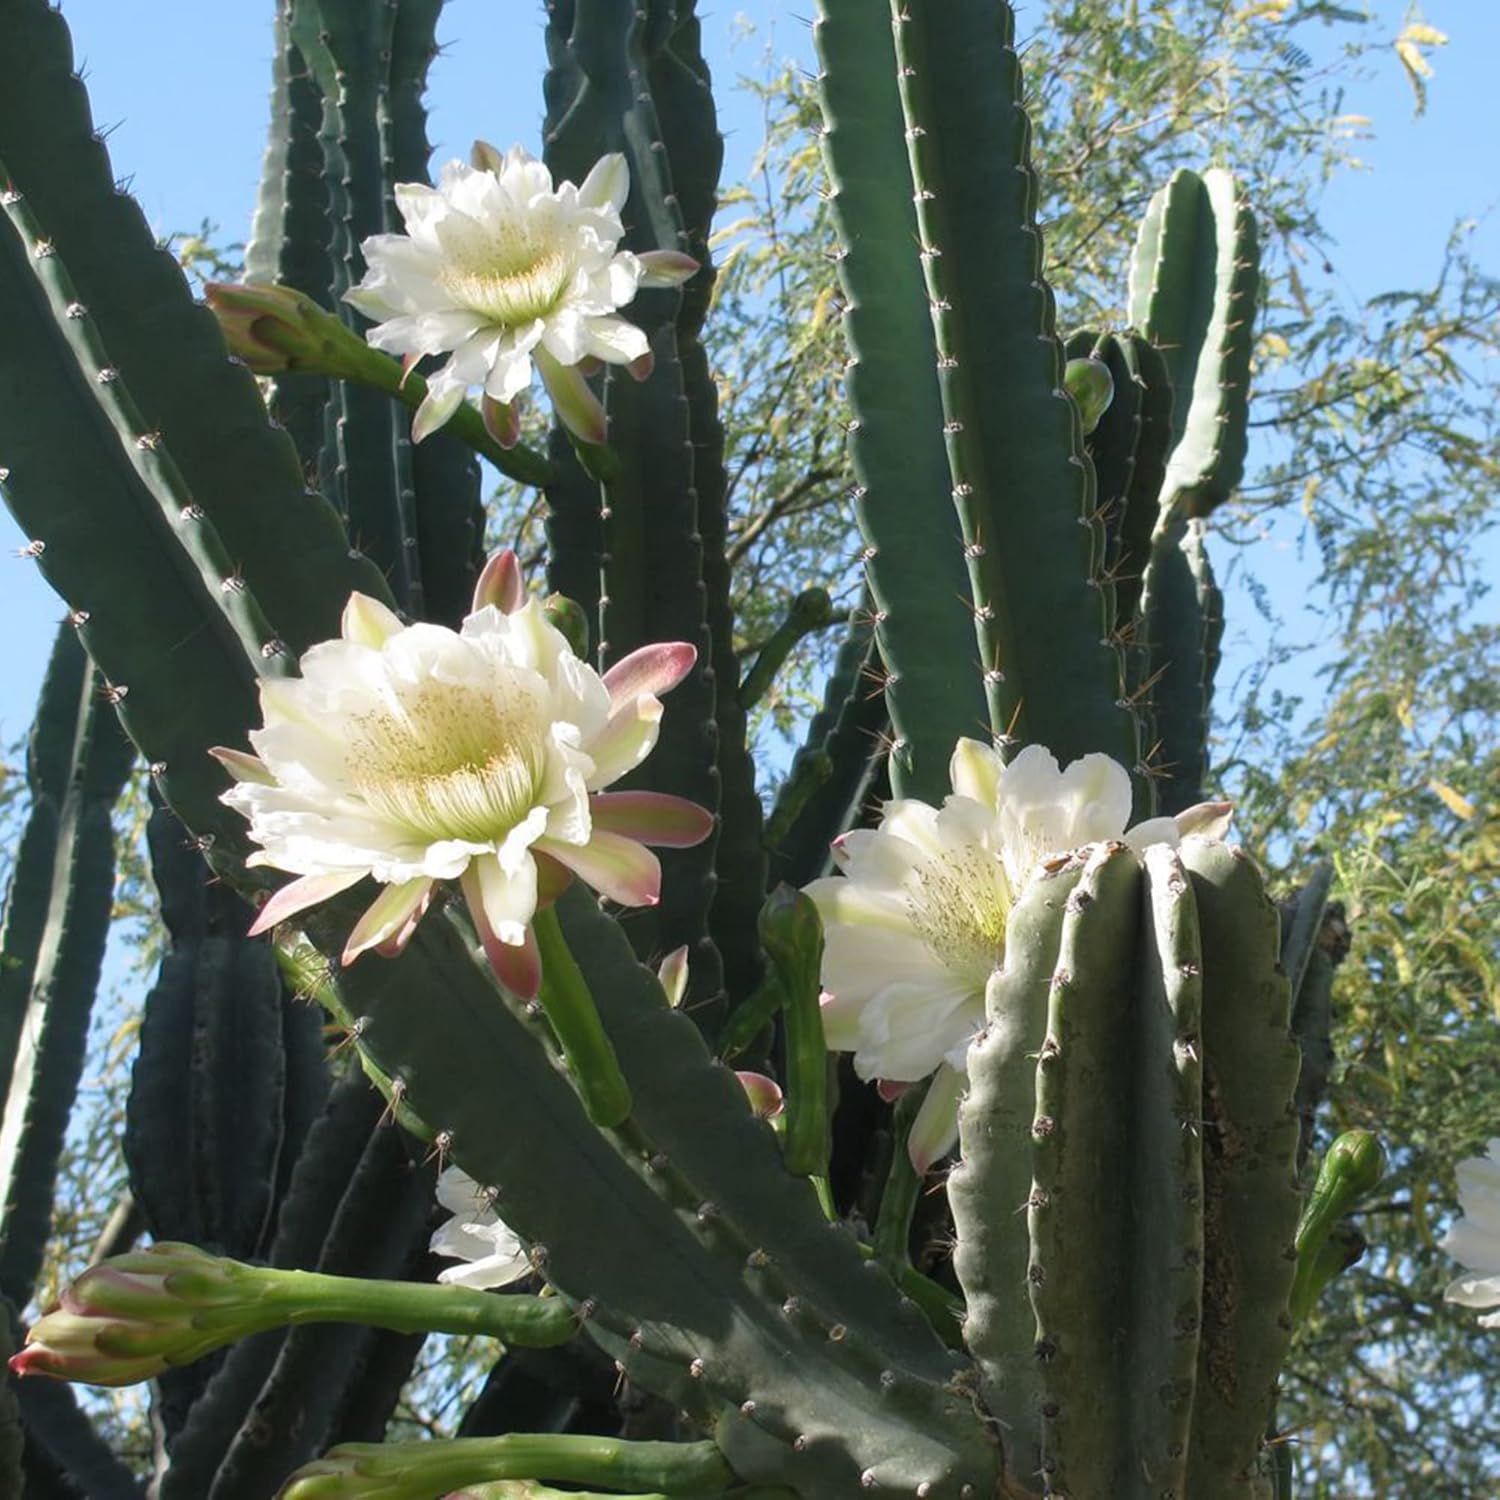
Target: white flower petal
pixel 914 926
pixel 934 1132
pixel 613 340
pixel 438 405
pixel 1096 794
pixel 491 1253
pixel 508 897
pixel 1153 831
pixel 1474 1240
pixel 608 184
pixel 975 771
pixel 908 1030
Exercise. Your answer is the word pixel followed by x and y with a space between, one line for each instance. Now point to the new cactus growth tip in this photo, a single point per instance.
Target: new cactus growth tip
pixel 439 796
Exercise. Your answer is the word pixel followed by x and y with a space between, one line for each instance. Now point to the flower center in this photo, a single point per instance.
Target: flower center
pixel 958 903
pixel 451 761
pixel 511 276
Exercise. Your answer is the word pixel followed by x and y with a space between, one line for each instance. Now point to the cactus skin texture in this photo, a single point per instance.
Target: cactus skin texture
pixel 57 915
pixel 1194 280
pixel 1126 1276
pixel 914 560
pixel 1125 1325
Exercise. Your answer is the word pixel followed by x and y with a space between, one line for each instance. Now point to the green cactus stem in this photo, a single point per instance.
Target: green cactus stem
pixel 792 936
pixel 1194 281
pixel 417 1471
pixel 574 1019
pixel 833 770
pixel 286 545
pixel 1250 1200
pixel 1182 622
pixel 56 923
pixel 1022 488
pixel 811 610
pixel 914 545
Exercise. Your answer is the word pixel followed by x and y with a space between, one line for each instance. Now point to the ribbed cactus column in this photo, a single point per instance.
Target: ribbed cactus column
pixel 56 923
pixel 1194 283
pixel 1022 487
pixel 1132 1091
pixel 914 554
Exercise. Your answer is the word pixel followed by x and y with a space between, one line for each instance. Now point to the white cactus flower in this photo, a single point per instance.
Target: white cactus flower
pixel 1474 1241
pixel 413 754
pixel 915 924
pixel 489 1252
pixel 499 269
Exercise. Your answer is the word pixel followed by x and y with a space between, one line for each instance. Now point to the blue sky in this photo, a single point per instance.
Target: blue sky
pixel 185 100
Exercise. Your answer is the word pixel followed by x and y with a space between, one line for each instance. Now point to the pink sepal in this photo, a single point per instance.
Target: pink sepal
pixel 298 895
pixel 616 867
pixel 654 669
pixel 500 584
pixel 501 420
pixel 656 818
pixel 518 966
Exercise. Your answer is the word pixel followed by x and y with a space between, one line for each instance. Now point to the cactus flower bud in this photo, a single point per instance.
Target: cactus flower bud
pixel 1090 384
pixel 763 1093
pixel 1353 1166
pixel 133 1316
pixel 567 617
pixel 275 328
pixel 513 1464
pixel 790 927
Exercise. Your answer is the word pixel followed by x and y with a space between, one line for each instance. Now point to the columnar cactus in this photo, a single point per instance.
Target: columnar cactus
pixel 1124 1199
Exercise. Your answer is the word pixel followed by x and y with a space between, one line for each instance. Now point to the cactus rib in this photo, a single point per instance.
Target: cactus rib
pixel 52 946
pixel 1020 482
pixel 914 554
pixel 285 543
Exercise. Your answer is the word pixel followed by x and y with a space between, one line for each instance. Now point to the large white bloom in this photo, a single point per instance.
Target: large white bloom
pixel 488 1251
pixel 414 754
pixel 1474 1240
pixel 498 268
pixel 915 925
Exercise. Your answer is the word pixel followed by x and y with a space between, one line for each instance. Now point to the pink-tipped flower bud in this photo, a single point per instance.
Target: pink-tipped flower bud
pixel 500 583
pixel 763 1093
pixel 277 328
pixel 133 1316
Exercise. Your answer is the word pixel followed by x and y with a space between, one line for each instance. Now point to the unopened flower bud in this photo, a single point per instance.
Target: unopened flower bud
pixel 764 1094
pixel 277 328
pixel 565 615
pixel 133 1316
pixel 1090 384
